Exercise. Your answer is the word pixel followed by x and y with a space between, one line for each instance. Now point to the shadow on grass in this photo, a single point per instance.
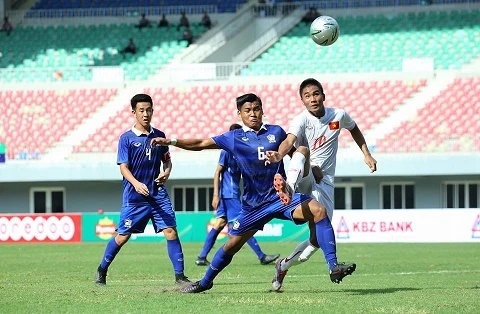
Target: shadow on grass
pixel 378 291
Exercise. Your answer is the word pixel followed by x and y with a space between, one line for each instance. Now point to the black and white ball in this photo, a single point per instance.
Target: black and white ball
pixel 324 31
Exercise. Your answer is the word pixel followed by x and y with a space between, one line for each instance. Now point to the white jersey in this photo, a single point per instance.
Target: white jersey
pixel 320 135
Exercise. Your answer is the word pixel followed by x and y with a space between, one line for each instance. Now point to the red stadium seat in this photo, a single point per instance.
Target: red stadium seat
pixel 441 121
pixel 51 113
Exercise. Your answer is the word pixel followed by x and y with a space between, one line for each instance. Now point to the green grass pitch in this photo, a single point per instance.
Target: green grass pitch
pixel 390 278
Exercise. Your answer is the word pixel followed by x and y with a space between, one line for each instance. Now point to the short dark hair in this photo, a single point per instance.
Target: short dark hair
pixel 235 126
pixel 250 97
pixel 140 98
pixel 310 81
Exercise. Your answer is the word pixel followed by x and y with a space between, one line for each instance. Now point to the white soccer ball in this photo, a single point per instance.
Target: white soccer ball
pixel 324 31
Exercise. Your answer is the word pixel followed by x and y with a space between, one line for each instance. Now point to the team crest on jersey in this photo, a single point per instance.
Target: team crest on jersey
pixel 128 223
pixel 137 144
pixel 236 225
pixel 271 138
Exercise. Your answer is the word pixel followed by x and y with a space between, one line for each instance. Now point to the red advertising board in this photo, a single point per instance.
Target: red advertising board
pixel 41 228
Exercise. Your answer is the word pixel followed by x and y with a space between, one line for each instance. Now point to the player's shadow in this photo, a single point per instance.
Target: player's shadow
pixel 378 291
pixel 242 283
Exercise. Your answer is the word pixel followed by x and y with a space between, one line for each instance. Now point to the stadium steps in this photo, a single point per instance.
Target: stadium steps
pixel 209 43
pixel 280 27
pixel 408 110
pixel 472 66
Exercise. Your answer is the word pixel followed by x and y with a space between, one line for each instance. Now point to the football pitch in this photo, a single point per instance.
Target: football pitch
pixel 390 278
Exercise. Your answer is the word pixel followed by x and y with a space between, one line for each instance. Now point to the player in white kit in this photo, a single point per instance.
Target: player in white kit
pixel 318 128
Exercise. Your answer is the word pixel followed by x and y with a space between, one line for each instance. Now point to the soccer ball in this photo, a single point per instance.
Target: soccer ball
pixel 324 31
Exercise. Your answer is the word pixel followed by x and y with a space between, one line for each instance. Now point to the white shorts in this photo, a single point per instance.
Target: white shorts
pixel 322 192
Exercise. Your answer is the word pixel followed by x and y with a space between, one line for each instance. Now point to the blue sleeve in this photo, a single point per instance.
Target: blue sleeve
pixel 225 141
pixel 122 155
pixel 222 161
pixel 283 134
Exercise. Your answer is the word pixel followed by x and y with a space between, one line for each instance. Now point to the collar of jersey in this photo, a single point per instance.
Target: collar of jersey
pixel 322 118
pixel 247 129
pixel 138 132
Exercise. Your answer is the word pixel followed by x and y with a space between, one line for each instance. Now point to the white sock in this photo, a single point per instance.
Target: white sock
pixel 292 259
pixel 295 170
pixel 309 250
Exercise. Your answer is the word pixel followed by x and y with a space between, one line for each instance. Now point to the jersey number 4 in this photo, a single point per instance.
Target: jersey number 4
pixel 148 153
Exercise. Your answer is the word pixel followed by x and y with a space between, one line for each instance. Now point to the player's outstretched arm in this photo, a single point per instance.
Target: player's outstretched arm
pixel 188 144
pixel 284 148
pixel 360 140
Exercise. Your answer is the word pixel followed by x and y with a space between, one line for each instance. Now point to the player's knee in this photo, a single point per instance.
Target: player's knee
pixel 170 233
pixel 319 212
pixel 121 239
pixel 219 223
pixel 304 151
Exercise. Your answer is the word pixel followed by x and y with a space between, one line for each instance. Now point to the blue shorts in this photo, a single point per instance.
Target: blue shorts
pixel 229 208
pixel 134 217
pixel 255 219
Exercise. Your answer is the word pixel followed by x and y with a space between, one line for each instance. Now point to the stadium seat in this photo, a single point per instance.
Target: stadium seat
pixel 438 127
pixel 45 114
pixel 68 47
pixel 212 112
pixel 374 43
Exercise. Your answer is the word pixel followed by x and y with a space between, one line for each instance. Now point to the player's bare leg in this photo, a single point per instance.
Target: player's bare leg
pixel 297 169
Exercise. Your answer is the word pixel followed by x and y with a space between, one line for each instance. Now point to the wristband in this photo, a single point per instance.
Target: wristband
pixel 173 141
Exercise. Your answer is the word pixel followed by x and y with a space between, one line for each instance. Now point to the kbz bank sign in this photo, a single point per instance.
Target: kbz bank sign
pixel 40 228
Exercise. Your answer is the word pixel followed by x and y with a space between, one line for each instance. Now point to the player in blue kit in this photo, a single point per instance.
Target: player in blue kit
pixel 144 195
pixel 260 202
pixel 226 203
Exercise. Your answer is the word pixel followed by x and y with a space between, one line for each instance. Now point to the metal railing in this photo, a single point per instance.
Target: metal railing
pixel 202 71
pixel 18 16
pixel 346 4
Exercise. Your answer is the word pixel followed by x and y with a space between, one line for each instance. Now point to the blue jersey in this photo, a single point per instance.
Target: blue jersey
pixel 144 162
pixel 230 183
pixel 249 149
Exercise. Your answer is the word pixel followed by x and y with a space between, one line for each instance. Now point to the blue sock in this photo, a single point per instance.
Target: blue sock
pixel 326 241
pixel 252 242
pixel 209 242
pixel 219 262
pixel 111 251
pixel 175 253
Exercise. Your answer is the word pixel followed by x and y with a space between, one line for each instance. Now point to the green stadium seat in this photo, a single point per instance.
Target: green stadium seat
pixel 72 46
pixel 451 41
